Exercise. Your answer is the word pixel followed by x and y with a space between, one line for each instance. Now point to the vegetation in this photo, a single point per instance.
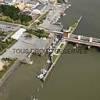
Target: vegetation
pixel 2 33
pixel 38 32
pixel 39 20
pixel 54 57
pixel 28 36
pixel 8 64
pixel 12 14
pixel 43 17
pixel 6 44
pixel 59 1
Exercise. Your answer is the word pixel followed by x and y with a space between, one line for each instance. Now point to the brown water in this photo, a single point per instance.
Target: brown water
pixel 75 76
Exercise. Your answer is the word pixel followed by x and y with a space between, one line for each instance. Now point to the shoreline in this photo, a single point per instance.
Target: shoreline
pixel 57 58
pixel 7 74
pixel 64 42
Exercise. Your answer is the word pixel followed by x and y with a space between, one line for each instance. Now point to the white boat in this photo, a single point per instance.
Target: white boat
pixel 34 98
pixel 66 1
pixel 42 74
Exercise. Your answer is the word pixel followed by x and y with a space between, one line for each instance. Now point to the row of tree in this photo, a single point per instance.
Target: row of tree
pixel 2 33
pixel 38 32
pixel 14 13
pixel 5 44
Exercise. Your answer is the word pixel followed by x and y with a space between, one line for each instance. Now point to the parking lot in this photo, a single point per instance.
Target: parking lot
pixel 7 27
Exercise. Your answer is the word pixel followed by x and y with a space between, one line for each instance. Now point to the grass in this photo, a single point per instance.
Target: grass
pixel 54 57
pixel 8 19
pixel 6 45
pixel 38 32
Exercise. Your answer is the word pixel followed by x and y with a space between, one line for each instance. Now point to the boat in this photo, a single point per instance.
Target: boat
pixel 42 74
pixel 34 98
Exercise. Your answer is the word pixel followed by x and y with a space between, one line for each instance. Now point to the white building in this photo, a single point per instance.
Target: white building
pixel 17 34
pixel 36 11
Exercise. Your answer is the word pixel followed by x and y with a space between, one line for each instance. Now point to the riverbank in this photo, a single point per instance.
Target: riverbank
pixel 24 75
pixel 55 56
pixel 75 76
pixel 10 69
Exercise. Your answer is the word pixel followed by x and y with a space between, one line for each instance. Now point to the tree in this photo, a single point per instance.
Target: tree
pixel 38 32
pixel 25 18
pixel 14 13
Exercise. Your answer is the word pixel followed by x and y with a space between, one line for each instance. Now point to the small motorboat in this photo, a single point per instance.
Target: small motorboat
pixel 42 74
pixel 34 98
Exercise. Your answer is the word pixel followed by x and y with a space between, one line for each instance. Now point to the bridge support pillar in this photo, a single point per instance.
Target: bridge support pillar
pixel 90 39
pixel 89 47
pixel 79 37
pixel 77 45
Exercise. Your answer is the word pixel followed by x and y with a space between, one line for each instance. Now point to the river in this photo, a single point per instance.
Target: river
pixel 75 76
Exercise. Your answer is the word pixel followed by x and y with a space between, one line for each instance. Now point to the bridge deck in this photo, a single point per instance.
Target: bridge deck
pixel 84 40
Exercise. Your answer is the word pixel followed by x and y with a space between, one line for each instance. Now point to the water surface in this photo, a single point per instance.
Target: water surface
pixel 75 76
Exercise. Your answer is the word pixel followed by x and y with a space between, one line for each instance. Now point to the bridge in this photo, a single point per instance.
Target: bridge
pixel 79 39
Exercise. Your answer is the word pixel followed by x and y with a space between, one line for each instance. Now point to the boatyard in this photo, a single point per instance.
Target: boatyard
pixel 41 65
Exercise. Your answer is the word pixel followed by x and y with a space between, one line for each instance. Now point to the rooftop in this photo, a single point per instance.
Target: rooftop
pixel 17 34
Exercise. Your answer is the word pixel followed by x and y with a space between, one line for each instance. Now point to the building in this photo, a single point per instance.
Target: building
pixel 1 65
pixel 17 34
pixel 1 1
pixel 21 6
pixel 36 11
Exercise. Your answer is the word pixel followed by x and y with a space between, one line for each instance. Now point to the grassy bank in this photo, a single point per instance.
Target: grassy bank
pixel 10 13
pixel 6 67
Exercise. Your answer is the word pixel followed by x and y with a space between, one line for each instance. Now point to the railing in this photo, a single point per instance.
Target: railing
pixel 83 40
